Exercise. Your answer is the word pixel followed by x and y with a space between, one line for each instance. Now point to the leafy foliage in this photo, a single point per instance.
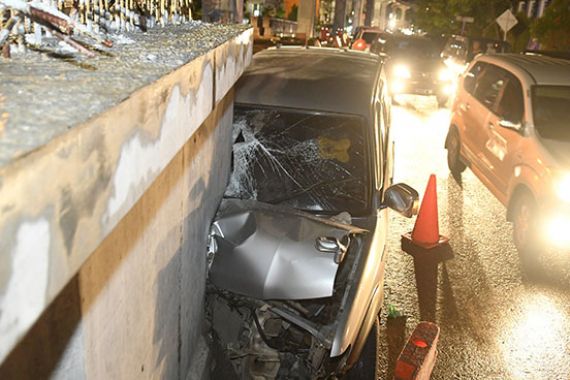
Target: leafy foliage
pixel 293 13
pixel 439 16
pixel 553 28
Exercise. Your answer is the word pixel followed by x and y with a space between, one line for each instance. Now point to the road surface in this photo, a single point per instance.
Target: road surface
pixel 497 320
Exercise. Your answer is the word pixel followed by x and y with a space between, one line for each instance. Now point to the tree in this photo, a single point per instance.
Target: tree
pixel 293 13
pixel 438 16
pixel 553 28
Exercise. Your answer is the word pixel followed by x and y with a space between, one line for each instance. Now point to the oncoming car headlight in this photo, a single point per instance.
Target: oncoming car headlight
pixel 402 71
pixel 562 187
pixel 445 74
pixel 556 229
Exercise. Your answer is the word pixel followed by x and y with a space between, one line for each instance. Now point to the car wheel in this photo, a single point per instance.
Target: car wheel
pixel 453 145
pixel 525 236
pixel 365 367
pixel 442 100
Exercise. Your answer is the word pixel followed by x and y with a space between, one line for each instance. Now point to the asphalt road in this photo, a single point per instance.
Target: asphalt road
pixel 498 320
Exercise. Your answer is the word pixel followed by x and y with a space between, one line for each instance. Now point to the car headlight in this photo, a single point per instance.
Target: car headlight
pixel 402 71
pixel 556 229
pixel 445 74
pixel 562 187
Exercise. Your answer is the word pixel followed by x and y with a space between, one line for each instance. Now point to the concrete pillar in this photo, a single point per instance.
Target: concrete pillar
pixel 306 18
pixel 370 5
pixel 541 7
pixel 358 10
pixel 237 11
pixel 339 14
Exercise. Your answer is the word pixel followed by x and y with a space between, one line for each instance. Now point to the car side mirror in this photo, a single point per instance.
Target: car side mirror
pixel 403 199
pixel 511 125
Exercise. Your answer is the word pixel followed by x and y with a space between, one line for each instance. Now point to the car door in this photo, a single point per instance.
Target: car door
pixel 488 85
pixel 470 113
pixel 503 138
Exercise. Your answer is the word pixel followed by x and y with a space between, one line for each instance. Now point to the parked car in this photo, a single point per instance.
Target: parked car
pixel 510 125
pixel 459 51
pixel 364 37
pixel 414 66
pixel 298 247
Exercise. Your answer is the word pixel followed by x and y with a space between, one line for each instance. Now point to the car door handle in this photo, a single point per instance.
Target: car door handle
pixel 465 106
pixel 491 126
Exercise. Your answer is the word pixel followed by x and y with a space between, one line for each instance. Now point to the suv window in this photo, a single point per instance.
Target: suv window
pixel 511 105
pixel 471 77
pixel 550 105
pixel 488 85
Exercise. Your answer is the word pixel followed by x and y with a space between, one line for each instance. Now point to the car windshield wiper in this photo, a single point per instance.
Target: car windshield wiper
pixel 295 194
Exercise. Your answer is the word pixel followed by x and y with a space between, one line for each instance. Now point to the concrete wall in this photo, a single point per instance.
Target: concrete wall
pixel 103 231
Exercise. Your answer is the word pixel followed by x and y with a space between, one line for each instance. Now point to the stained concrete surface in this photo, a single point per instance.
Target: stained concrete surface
pixel 42 96
pixel 135 308
pixel 498 319
pixel 71 193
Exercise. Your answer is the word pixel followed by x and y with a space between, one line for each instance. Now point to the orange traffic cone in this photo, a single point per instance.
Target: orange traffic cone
pixel 426 229
pixel 425 236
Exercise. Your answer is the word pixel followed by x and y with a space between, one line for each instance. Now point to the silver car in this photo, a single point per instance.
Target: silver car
pixel 297 250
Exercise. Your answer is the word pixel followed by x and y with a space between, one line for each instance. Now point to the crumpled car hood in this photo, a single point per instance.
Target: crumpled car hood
pixel 267 252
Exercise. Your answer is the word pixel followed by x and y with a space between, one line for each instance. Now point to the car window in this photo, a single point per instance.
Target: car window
pixel 511 105
pixel 471 77
pixel 411 47
pixel 455 48
pixel 369 37
pixel 312 162
pixel 550 105
pixel 488 85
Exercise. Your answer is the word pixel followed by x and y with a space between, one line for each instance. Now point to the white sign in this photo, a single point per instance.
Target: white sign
pixel 507 20
pixel 465 19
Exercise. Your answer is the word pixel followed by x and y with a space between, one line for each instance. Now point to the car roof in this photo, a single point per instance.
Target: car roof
pixel 316 79
pixel 542 69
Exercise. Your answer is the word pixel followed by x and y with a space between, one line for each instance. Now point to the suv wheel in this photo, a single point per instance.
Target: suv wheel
pixel 453 144
pixel 525 214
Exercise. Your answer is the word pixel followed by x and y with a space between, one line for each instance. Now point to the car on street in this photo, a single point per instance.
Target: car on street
pixel 297 249
pixel 510 125
pixel 459 50
pixel 414 66
pixel 364 38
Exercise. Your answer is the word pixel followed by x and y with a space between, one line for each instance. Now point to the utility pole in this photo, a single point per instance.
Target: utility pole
pixel 339 15
pixel 369 12
pixel 237 11
pixel 306 18
pixel 358 8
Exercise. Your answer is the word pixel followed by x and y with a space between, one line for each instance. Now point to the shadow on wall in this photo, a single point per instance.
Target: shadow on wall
pixel 55 346
pixel 39 354
pixel 186 270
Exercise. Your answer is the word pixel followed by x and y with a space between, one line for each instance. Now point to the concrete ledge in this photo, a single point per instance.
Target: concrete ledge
pixel 71 169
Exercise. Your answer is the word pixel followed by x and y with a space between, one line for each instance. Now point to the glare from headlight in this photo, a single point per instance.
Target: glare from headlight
pixel 397 86
pixel 563 187
pixel 445 74
pixel 402 71
pixel 557 231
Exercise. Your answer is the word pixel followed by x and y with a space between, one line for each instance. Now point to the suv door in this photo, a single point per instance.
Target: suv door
pixel 503 142
pixel 488 85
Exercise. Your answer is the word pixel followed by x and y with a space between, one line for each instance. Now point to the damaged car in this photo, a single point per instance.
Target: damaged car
pixel 297 250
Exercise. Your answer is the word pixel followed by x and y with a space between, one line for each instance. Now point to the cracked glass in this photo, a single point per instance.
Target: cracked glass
pixel 311 162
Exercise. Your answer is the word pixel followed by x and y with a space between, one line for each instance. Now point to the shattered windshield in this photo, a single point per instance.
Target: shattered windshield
pixel 306 161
